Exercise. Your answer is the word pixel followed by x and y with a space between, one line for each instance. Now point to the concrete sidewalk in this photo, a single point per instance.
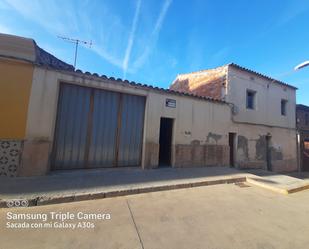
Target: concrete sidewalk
pixel 68 186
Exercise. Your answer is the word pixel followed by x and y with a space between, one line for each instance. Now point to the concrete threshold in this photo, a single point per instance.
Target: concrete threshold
pixel 283 185
pixel 56 199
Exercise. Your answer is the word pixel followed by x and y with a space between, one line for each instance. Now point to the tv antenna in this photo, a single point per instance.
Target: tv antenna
pixel 76 42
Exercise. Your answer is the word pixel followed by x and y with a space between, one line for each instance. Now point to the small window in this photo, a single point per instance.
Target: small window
pixel 283 107
pixel 306 119
pixel 250 99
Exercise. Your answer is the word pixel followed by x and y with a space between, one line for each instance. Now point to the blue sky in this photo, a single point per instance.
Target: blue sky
pixel 151 41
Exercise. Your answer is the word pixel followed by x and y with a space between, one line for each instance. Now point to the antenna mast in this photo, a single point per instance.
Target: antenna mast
pixel 76 42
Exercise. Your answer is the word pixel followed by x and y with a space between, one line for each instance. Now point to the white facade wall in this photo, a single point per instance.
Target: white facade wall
pixel 196 122
pixel 200 127
pixel 254 125
pixel 268 99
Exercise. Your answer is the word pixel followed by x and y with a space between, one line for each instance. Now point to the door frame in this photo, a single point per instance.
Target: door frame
pixel 233 153
pixel 171 153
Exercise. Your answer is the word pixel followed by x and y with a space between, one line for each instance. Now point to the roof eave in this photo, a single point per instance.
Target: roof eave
pixel 139 85
pixel 261 75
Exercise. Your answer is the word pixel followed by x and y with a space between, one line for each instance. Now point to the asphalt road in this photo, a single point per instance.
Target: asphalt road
pixel 212 217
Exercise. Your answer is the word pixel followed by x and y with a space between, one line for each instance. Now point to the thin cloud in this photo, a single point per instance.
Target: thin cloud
pixel 65 23
pixel 160 20
pixel 131 39
pixel 107 56
pixel 45 13
pixel 108 35
pixel 154 36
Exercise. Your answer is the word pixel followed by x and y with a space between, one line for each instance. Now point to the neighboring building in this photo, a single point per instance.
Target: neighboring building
pixel 55 118
pixel 263 114
pixel 302 114
pixel 18 58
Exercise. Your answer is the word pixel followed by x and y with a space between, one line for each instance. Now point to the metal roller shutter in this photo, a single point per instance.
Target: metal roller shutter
pixel 97 128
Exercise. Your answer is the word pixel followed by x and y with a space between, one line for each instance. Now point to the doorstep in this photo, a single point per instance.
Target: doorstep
pixel 279 183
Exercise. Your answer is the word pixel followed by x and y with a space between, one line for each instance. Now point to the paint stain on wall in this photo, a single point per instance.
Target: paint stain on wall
pixel 276 153
pixel 260 148
pixel 213 137
pixel 242 148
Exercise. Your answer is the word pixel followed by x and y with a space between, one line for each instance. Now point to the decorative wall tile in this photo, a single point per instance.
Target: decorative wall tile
pixel 10 151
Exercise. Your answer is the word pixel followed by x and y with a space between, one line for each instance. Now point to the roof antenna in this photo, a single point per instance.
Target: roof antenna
pixel 76 42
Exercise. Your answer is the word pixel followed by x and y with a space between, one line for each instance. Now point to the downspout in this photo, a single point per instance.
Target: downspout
pixel 298 150
pixel 297 143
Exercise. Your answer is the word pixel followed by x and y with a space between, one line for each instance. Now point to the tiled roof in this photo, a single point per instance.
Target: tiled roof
pixel 144 86
pixel 243 69
pixel 44 58
pixel 261 75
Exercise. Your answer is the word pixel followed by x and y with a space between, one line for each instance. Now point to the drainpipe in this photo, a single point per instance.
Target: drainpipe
pixel 298 150
pixel 298 131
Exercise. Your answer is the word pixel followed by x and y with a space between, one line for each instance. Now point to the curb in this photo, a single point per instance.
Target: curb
pixel 48 200
pixel 297 189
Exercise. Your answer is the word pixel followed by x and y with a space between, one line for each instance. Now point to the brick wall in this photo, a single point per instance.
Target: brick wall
pixel 207 83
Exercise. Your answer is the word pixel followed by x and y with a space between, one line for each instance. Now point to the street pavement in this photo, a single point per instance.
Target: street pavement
pixel 209 217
